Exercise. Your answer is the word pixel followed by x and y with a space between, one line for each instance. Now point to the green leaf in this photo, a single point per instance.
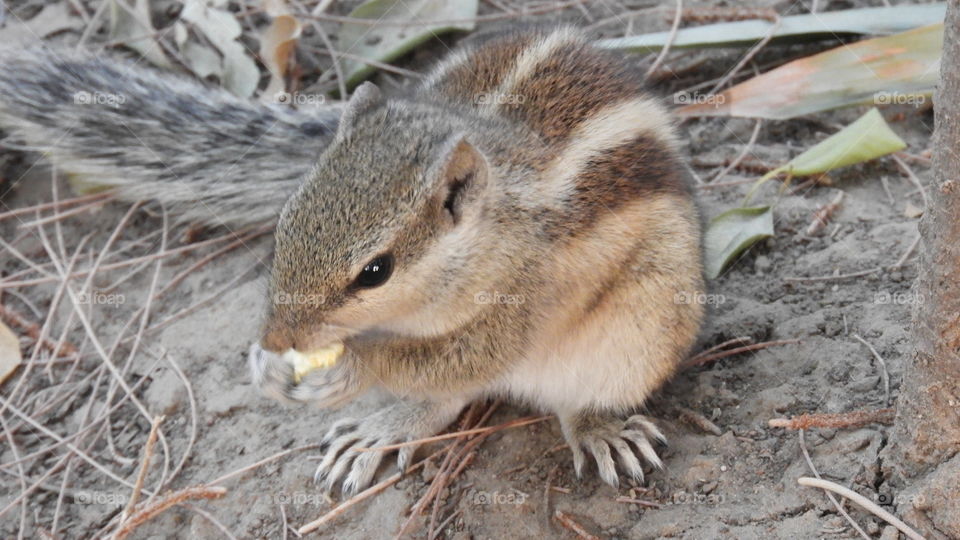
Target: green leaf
pixel 733 231
pixel 878 21
pixel 898 69
pixel 868 138
pixel 385 42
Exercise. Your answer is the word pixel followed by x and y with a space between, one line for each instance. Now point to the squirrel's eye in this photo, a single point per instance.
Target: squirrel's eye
pixel 376 272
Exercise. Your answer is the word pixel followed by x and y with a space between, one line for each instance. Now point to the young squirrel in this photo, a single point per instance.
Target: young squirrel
pixel 519 226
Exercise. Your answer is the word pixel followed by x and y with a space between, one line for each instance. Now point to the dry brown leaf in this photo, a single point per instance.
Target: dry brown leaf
pixel 10 356
pixel 276 45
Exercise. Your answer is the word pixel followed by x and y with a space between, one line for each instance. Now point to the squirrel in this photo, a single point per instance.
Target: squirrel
pixel 518 225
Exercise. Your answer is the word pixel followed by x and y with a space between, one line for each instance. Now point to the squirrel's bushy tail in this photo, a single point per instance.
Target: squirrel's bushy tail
pixel 208 155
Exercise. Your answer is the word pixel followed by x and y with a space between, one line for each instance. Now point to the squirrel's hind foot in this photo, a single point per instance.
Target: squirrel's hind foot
pixel 604 435
pixel 346 444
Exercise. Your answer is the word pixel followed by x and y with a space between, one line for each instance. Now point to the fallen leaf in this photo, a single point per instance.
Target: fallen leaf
pixel 733 231
pixel 898 69
pixel 276 45
pixel 131 26
pixel 868 138
pixel 385 42
pixel 239 72
pixel 203 61
pixel 10 356
pixel 827 25
pixel 52 19
pixel 912 211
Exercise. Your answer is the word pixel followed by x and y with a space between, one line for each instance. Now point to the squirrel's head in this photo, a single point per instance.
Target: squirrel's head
pixel 385 234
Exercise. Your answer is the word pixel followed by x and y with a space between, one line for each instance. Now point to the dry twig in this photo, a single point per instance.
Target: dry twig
pixel 149 512
pixel 863 502
pixel 571 525
pixel 839 420
pixel 700 421
pixel 823 214
pixel 144 465
pixel 836 503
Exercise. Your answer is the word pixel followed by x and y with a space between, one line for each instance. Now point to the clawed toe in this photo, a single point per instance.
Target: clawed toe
pixel 351 447
pixel 349 457
pixel 611 441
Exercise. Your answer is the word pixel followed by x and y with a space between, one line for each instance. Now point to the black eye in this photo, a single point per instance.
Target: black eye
pixel 376 272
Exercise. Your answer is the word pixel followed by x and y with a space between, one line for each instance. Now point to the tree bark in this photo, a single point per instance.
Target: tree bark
pixel 925 442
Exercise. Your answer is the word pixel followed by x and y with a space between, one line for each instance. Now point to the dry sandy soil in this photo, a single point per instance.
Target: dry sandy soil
pixel 739 481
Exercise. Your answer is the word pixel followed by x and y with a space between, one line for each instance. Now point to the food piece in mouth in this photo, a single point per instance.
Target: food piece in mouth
pixel 304 363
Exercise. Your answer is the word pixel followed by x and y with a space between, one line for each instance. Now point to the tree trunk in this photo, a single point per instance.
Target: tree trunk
pixel 925 442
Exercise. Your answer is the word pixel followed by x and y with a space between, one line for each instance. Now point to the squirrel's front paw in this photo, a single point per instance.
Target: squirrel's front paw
pixel 602 435
pixel 277 378
pixel 350 445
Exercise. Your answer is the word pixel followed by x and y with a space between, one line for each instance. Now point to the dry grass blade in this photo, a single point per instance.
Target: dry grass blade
pixel 55 205
pixel 418 22
pixel 884 374
pixel 641 502
pixel 703 358
pixel 262 462
pixel 458 434
pixel 4 284
pixel 677 17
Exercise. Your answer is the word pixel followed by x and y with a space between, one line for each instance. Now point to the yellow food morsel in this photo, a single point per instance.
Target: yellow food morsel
pixel 321 358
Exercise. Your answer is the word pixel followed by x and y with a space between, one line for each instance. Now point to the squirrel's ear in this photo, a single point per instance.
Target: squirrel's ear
pixel 364 97
pixel 461 175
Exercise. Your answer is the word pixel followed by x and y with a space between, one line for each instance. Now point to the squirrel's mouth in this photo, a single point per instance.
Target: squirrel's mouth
pixel 304 363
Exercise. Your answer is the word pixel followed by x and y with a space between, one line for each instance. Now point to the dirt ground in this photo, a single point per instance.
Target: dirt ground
pixel 737 482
